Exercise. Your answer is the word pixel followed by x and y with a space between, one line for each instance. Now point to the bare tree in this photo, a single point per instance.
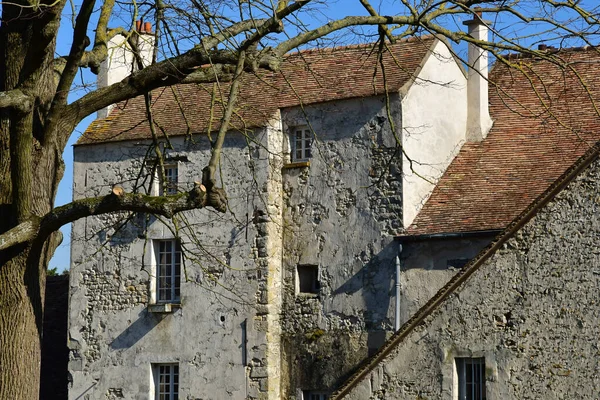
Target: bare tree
pixel 197 41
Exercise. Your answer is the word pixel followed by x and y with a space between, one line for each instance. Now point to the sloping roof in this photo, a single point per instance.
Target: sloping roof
pixel 305 77
pixel 545 118
pixel 463 275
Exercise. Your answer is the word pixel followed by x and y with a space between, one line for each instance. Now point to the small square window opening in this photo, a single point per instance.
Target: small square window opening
pixel 166 381
pixel 308 279
pixel 302 141
pixel 471 378
pixel 168 270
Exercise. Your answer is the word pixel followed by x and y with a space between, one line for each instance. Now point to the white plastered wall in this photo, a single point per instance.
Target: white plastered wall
pixel 434 115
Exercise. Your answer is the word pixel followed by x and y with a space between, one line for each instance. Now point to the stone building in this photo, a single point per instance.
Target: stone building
pixel 521 319
pixel 345 216
pixel 519 322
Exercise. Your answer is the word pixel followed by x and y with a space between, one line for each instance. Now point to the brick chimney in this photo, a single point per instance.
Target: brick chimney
pixel 121 62
pixel 479 121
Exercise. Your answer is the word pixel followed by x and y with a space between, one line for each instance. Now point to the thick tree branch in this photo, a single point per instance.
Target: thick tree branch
pixel 93 58
pixel 22 233
pixel 333 26
pixel 167 206
pixel 164 73
pixel 16 99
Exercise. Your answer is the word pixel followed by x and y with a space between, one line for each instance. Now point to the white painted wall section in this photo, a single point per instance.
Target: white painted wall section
pixel 434 116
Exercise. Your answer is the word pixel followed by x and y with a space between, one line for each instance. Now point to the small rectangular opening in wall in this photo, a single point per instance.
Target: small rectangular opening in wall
pixel 471 378
pixel 308 279
pixel 314 395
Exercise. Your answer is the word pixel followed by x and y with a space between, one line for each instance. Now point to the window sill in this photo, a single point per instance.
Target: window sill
pixel 297 164
pixel 307 295
pixel 163 308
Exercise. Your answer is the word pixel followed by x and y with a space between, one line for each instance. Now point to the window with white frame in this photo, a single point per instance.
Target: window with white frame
pixel 471 378
pixel 166 381
pixel 168 185
pixel 168 270
pixel 301 143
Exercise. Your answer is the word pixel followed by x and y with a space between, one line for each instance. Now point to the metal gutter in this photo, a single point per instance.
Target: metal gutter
pixel 447 235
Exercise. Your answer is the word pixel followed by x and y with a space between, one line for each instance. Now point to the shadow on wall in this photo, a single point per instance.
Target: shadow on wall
pixel 324 359
pixel 376 282
pixel 137 330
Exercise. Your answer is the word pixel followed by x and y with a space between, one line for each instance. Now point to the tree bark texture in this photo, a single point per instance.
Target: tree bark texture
pixel 28 182
pixel 21 291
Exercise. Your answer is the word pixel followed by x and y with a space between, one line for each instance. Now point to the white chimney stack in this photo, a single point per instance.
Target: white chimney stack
pixel 479 121
pixel 121 62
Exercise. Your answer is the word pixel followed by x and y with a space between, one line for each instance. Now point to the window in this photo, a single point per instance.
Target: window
pixel 471 378
pixel 308 279
pixel 166 381
pixel 168 186
pixel 302 142
pixel 313 395
pixel 168 270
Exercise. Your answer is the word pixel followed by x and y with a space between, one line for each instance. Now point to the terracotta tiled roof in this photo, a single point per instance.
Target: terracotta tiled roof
pixel 545 118
pixel 305 77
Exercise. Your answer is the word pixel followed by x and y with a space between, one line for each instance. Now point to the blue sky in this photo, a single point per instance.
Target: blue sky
pixel 336 9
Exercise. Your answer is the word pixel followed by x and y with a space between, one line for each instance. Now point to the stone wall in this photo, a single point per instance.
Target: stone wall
pixel 219 334
pixel 243 330
pixel 428 264
pixel 531 310
pixel 340 211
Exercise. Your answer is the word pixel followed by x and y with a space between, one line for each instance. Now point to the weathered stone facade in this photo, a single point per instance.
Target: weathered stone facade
pixel 531 310
pixel 243 329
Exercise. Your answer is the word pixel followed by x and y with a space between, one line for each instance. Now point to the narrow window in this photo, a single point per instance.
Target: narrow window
pixel 471 378
pixel 166 381
pixel 302 141
pixel 168 270
pixel 308 279
pixel 168 186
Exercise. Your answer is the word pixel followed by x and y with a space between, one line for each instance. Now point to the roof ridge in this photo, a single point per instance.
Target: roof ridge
pixel 463 275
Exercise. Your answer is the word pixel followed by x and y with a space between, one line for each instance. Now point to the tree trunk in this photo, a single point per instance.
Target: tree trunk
pixel 21 292
pixel 30 169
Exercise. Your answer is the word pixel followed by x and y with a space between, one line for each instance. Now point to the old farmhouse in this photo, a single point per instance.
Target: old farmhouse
pixel 365 196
